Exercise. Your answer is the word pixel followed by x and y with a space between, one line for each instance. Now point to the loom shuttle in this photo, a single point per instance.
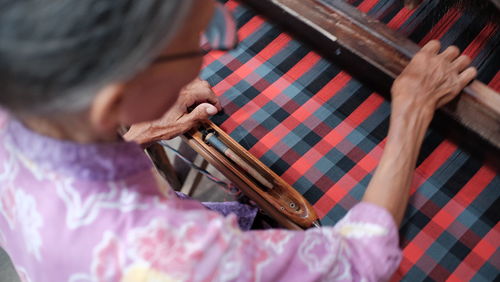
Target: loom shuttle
pixel 212 139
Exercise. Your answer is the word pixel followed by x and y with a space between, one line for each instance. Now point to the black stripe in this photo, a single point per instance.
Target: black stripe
pixel 380 132
pixel 292 59
pixel 391 12
pixel 489 68
pixel 428 22
pixel 492 215
pixel 264 40
pixel 313 194
pixel 468 33
pixel 461 176
pixel 321 80
pixel 351 104
pixel 431 142
pixel 244 17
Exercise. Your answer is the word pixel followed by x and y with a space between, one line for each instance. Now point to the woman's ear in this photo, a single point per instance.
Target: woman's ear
pixel 105 110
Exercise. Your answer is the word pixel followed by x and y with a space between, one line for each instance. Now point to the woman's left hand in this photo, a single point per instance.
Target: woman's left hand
pixel 196 103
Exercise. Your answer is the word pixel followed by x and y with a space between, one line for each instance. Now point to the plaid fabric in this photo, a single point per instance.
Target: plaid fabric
pixel 324 133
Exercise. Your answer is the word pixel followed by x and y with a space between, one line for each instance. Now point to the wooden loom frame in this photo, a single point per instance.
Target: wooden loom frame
pixel 374 54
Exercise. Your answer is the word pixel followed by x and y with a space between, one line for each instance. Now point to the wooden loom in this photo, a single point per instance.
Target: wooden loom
pixel 374 54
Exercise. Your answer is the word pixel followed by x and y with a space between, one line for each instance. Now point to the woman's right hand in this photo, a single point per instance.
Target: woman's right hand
pixel 431 80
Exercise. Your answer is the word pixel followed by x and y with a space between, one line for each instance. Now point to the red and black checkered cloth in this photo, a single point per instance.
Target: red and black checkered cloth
pixel 324 132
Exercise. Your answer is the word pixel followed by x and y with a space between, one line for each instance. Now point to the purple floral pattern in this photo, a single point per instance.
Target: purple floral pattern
pixel 80 213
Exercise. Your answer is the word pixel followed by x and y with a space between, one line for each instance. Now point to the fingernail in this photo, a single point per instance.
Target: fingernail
pixel 211 110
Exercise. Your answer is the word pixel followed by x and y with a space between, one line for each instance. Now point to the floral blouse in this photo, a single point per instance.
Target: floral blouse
pixel 73 212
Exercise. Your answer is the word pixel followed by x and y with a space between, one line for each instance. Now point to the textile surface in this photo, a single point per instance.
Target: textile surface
pixel 323 132
pixel 95 212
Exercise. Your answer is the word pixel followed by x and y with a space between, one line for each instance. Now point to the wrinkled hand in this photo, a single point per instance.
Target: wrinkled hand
pixel 196 103
pixel 431 80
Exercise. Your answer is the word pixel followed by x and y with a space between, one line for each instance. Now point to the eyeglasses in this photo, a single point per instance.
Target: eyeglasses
pixel 181 56
pixel 220 34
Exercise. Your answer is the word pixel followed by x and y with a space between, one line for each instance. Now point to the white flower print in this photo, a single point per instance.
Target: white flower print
pixel 20 211
pixel 29 220
pixel 8 204
pixel 3 241
pixel 110 259
pixel 276 240
pixel 23 274
pixel 155 250
pixel 361 229
pixel 9 167
pixel 83 210
pixel 19 208
pixel 321 255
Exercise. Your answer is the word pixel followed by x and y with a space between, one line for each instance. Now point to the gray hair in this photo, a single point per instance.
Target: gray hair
pixel 56 54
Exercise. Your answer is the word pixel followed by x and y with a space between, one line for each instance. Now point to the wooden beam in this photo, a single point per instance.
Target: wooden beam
pixel 375 54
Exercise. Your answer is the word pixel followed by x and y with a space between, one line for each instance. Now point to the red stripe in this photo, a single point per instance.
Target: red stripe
pixel 467 268
pixel 250 27
pixel 495 82
pixel 341 188
pixel 479 254
pixel 303 66
pixel 413 253
pixel 481 39
pixel 435 160
pixel 274 47
pixel 443 218
pixel 265 144
pixel 423 240
pixel 367 5
pixel 489 245
pixel 231 5
pixel 306 110
pixel 249 67
pixel 471 190
pixel 324 205
pixel 442 26
pixel 401 17
pixel 363 111
pixel 332 87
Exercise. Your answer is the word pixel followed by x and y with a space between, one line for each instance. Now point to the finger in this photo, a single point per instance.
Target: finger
pixel 201 93
pixel 211 98
pixel 447 98
pixel 450 53
pixel 217 104
pixel 193 84
pixel 431 47
pixel 201 112
pixel 461 63
pixel 466 76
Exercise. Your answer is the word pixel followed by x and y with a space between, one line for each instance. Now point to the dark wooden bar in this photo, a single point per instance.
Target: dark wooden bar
pixel 375 54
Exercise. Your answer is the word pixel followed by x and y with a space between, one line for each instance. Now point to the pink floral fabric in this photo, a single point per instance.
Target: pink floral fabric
pixel 72 212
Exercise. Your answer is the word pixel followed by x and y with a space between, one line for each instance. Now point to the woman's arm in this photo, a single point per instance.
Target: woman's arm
pixel 428 82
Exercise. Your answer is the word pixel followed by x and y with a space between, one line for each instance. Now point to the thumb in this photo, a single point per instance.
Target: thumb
pixel 202 112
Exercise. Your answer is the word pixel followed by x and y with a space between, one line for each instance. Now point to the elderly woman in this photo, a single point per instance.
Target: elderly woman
pixel 77 203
